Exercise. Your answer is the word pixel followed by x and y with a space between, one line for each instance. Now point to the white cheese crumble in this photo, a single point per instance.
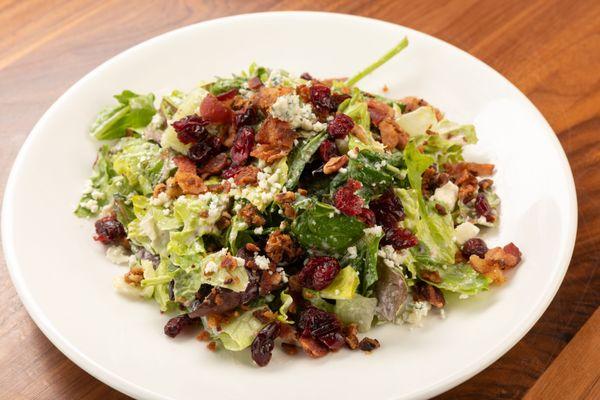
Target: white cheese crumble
pixel 415 312
pixel 391 257
pixel 352 252
pixel 91 205
pixel 117 255
pixel 464 232
pixel 262 262
pixel 446 195
pixel 258 230
pixel 377 230
pixel 160 200
pixel 300 116
pixel 210 267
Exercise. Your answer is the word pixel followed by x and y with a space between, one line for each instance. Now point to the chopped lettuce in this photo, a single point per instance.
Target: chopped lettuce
pixel 356 108
pixel 460 278
pixel 321 226
pixel 140 162
pixel 134 111
pixel 300 156
pixel 286 302
pixel 359 310
pixel 416 123
pixel 239 333
pixel 343 286
pixel 365 259
pixel 237 235
pixel 95 195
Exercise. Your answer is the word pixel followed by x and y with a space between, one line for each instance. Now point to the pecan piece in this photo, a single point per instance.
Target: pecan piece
pixel 280 246
pixel 251 216
pixel 334 164
pixel 423 291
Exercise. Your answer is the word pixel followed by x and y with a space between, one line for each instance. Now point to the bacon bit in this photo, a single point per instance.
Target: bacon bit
pixel 368 344
pixel 212 346
pixel 379 111
pixel 214 166
pixel 495 261
pixel 350 336
pixel 423 291
pixel 229 263
pixel 251 216
pixel 223 187
pixel 203 336
pixel 275 140
pixel 289 211
pixel 286 197
pixel 334 164
pixel 280 245
pixel 264 315
pixel 385 88
pixel 477 169
pixel 289 349
pixel 269 281
pixel 247 175
pixel 392 136
pixel 313 348
pixel 252 247
pixel 303 92
pixel 431 276
pixel 467 186
pixel 287 333
pixel 254 83
pixel 212 110
pixel 158 189
pixel 266 96
pixel 187 178
pixel 224 221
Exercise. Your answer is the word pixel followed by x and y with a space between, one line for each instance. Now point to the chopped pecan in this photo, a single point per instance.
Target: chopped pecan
pixel 289 211
pixel 224 221
pixel 432 179
pixel 431 276
pixel 264 315
pixel 214 166
pixel 134 276
pixel 229 262
pixel 269 281
pixel 368 344
pixel 423 291
pixel 186 176
pixel 158 189
pixel 252 247
pixel 247 175
pixel 289 349
pixel 285 197
pixel 467 186
pixel 350 337
pixel 485 184
pixel 275 140
pixel 266 96
pixel 251 216
pixel 280 246
pixel 334 164
pixel 203 336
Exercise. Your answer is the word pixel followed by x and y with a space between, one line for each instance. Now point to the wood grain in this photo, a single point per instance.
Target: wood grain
pixel 549 49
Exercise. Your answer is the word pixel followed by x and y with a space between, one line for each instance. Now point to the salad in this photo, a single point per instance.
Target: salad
pixel 268 208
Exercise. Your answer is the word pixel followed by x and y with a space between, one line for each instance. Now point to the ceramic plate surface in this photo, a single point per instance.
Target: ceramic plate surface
pixel 65 281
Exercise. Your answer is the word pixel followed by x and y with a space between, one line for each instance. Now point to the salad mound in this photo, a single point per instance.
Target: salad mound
pixel 267 207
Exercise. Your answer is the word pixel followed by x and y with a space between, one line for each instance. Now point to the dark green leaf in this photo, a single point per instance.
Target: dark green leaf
pixel 300 156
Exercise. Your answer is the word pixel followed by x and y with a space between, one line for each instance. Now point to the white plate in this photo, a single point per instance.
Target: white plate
pixel 65 281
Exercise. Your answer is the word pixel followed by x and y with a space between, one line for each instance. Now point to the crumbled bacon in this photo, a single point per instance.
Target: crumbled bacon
pixel 214 166
pixel 378 111
pixel 392 136
pixel 350 337
pixel 477 169
pixel 275 140
pixel 212 110
pixel 495 261
pixel 432 179
pixel 266 96
pixel 281 247
pixel 186 176
pixel 247 175
pixel 251 216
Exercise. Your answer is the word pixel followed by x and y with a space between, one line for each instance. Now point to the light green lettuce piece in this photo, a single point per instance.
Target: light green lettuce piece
pixel 188 210
pixel 95 195
pixel 133 111
pixel 417 122
pixel 236 234
pixel 316 300
pixel 239 333
pixel 359 310
pixel 185 248
pixel 365 261
pixel 459 278
pixel 410 203
pixel 160 282
pixel 357 108
pixel 286 302
pixel 455 132
pixel 151 228
pixel 189 105
pixel 140 162
pixel 343 286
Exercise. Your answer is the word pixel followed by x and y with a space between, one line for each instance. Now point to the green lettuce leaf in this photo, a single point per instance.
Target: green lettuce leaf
pixel 134 111
pixel 188 106
pixel 343 286
pixel 365 261
pixel 140 162
pixel 240 332
pixel 321 226
pixel 300 156
pixel 459 278
pixel 359 310
pixel 286 302
pixel 96 195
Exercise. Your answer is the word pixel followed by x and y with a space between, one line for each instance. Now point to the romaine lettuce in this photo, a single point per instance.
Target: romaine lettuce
pixel 359 310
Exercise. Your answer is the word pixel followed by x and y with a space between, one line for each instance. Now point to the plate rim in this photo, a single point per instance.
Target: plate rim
pixel 134 390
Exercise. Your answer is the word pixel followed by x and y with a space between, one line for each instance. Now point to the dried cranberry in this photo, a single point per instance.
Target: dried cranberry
pixel 319 272
pixel 190 129
pixel 320 97
pixel 346 201
pixel 242 146
pixel 388 209
pixel 231 172
pixel 399 238
pixel 328 149
pixel 175 325
pixel 322 326
pixel 474 246
pixel 367 217
pixel 264 343
pixel 340 127
pixel 306 76
pixel 483 208
pixel 213 111
pixel 247 116
pixel 109 230
pixel 205 149
pixel 228 95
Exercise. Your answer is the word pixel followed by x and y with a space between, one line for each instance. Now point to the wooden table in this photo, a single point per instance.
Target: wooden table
pixel 549 49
